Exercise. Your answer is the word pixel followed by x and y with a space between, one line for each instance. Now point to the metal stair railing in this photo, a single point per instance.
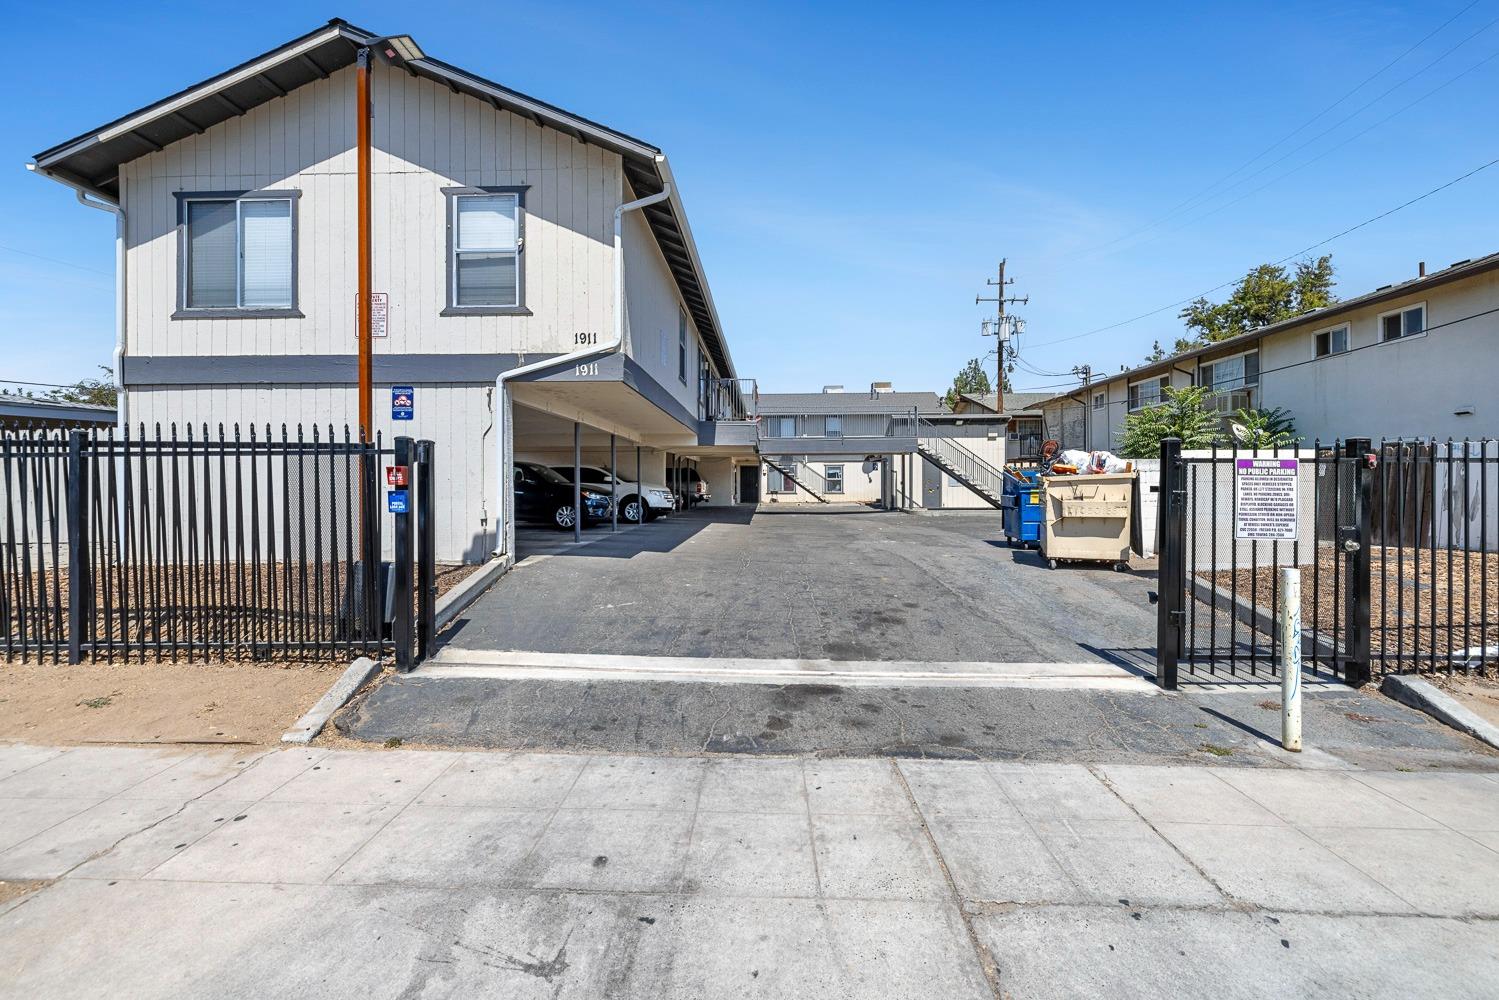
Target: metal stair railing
pixel 793 480
pixel 959 462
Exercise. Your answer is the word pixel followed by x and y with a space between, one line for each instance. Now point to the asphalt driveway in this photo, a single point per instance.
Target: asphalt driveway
pixel 838 582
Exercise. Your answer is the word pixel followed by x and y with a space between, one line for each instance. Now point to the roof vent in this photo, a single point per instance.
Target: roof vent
pixel 832 388
pixel 1460 263
pixel 875 388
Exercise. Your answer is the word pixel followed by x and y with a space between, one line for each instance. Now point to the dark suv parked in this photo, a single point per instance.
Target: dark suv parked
pixel 542 496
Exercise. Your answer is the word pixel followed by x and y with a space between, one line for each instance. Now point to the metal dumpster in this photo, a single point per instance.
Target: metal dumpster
pixel 1087 518
pixel 1022 507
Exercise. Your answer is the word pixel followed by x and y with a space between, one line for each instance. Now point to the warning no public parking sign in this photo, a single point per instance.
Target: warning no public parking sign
pixel 1267 493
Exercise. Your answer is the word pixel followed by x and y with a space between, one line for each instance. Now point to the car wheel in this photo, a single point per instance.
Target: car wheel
pixel 632 510
pixel 565 516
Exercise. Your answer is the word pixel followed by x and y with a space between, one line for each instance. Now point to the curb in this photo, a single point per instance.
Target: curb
pixel 1441 706
pixel 309 725
pixel 456 601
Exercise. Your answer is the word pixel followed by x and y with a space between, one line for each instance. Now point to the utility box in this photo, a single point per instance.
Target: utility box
pixel 1087 518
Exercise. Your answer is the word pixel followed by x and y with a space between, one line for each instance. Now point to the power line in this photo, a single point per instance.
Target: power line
pixel 1299 253
pixel 1326 152
pixel 54 260
pixel 1310 121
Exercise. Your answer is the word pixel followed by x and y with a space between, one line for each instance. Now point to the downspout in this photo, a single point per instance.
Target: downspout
pixel 503 524
pixel 94 199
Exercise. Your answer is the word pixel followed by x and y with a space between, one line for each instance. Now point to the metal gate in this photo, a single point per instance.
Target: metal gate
pixel 1396 546
pixel 210 546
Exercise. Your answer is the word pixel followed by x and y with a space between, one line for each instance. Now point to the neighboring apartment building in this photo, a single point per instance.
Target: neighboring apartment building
pixel 1025 428
pixel 874 447
pixel 505 232
pixel 1412 359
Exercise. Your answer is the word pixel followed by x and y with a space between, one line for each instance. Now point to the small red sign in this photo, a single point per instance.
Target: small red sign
pixel 397 475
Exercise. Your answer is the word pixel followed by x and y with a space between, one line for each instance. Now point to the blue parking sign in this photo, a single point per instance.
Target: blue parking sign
pixel 398 502
pixel 402 402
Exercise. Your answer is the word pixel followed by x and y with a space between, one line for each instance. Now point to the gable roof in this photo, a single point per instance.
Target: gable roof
pixel 849 402
pixel 1015 402
pixel 91 161
pixel 1456 271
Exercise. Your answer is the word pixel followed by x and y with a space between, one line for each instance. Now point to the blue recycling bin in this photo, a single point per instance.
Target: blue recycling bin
pixel 1022 507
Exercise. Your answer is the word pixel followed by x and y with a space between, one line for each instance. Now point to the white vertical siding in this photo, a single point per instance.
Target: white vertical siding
pixel 455 417
pixel 425 138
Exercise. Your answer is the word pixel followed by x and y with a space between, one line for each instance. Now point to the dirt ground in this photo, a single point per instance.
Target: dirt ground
pixel 1447 605
pixel 157 702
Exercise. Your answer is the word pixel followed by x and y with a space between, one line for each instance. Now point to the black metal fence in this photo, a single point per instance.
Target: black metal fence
pixel 1398 547
pixel 210 546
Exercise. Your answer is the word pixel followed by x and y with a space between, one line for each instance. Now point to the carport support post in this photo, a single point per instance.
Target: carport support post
pixel 577 481
pixel 1357 551
pixel 614 485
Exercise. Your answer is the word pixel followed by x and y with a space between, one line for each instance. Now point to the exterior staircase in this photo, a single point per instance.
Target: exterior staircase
pixel 796 482
pixel 981 478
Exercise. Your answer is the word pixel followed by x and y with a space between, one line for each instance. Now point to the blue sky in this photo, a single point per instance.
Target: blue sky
pixel 853 172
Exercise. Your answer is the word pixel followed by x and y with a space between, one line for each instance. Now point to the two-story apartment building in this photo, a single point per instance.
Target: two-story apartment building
pixel 1410 359
pixel 533 277
pixel 880 447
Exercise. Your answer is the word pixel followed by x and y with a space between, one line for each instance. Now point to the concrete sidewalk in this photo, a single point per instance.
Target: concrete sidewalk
pixel 427 874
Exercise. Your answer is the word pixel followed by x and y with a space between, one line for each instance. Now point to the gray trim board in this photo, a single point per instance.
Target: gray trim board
pixel 617 367
pixel 845 446
pixel 731 432
pixel 318 369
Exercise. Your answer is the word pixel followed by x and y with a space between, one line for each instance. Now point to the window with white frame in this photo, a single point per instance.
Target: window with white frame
pixel 832 426
pixel 238 253
pixel 1332 341
pixel 1407 321
pixel 682 346
pixel 776 481
pixel 1099 400
pixel 485 240
pixel 1148 393
pixel 1230 374
pixel 834 476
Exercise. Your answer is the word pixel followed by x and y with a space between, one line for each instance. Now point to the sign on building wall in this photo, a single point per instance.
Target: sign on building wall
pixel 402 402
pixel 1267 494
pixel 379 314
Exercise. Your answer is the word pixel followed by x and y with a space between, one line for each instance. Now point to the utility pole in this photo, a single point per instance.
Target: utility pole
pixel 1085 372
pixel 1001 328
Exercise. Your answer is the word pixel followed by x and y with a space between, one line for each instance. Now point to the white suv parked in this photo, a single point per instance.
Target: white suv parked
pixel 637 501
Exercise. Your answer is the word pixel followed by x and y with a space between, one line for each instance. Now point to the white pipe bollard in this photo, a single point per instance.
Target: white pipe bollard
pixel 1290 659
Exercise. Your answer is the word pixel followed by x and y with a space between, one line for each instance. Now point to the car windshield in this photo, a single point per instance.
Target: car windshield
pixel 590 473
pixel 544 474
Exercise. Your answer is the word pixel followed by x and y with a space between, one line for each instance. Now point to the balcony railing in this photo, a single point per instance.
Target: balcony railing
pixel 733 399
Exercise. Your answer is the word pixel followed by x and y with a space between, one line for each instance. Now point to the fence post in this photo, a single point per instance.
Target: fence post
pixel 426 552
pixel 79 590
pixel 372 600
pixel 400 627
pixel 1358 555
pixel 1290 658
pixel 1172 569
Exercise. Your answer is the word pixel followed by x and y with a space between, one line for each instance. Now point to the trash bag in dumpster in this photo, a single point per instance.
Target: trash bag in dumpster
pixel 1093 461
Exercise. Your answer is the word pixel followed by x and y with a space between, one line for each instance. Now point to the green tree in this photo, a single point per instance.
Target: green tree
pixel 1184 414
pixel 1267 294
pixel 94 391
pixel 1264 428
pixel 971 381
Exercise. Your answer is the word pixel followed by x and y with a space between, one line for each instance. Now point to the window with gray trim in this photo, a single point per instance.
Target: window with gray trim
pixel 237 253
pixel 486 243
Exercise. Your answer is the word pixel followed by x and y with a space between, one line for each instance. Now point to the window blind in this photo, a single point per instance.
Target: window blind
pixel 266 238
pixel 211 270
